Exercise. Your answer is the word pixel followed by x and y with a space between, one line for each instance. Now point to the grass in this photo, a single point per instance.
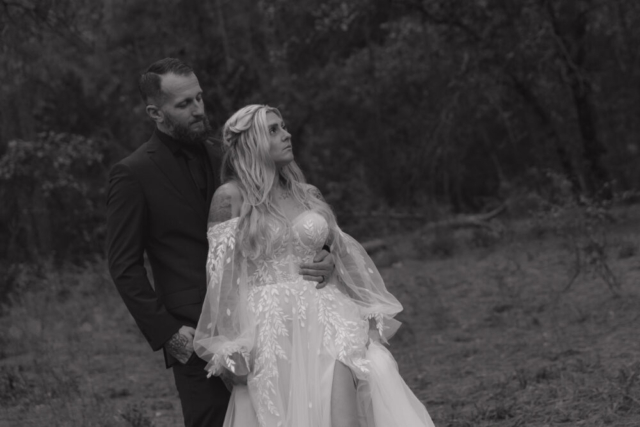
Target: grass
pixel 72 356
pixel 489 339
pixel 495 342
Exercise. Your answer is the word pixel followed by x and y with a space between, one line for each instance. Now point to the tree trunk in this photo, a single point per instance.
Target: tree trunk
pixel 571 41
pixel 223 35
pixel 16 114
pixel 41 221
pixel 582 90
pixel 550 133
pixel 593 149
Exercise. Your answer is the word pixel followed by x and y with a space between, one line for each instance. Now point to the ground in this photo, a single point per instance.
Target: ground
pixel 490 337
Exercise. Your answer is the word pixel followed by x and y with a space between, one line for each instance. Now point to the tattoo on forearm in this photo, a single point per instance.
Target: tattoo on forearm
pixel 220 209
pixel 177 345
pixel 316 193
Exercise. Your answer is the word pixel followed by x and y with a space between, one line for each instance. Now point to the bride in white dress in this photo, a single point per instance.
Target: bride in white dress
pixel 299 355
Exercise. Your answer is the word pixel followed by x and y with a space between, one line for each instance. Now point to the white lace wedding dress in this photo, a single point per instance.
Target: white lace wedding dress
pixel 291 334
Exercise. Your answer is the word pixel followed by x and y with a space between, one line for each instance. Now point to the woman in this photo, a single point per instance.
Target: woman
pixel 309 357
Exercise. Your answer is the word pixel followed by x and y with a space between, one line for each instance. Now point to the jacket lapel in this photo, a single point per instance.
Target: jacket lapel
pixel 168 165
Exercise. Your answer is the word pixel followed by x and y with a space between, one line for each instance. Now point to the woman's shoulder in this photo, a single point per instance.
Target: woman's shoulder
pixel 226 203
pixel 311 189
pixel 229 189
pixel 306 186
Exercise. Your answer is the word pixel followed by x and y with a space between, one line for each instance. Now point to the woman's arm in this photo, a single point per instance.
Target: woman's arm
pixel 225 205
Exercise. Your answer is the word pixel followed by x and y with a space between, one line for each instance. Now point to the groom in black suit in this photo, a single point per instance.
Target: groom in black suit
pixel 158 202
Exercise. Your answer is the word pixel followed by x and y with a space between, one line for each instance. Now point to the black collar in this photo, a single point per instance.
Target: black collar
pixel 176 147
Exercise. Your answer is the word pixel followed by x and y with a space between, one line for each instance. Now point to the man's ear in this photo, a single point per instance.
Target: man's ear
pixel 155 114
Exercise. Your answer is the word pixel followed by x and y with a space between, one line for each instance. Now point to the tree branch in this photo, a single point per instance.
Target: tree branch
pixel 468 221
pixel 439 20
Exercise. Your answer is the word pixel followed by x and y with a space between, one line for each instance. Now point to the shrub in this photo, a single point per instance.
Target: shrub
pixel 52 190
pixel 484 238
pixel 443 243
pixel 627 249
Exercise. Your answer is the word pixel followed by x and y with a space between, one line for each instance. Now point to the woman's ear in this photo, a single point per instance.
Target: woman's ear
pixel 155 114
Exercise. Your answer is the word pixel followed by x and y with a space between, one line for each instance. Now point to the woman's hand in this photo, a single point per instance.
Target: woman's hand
pixel 231 379
pixel 320 270
pixel 239 377
pixel 240 367
pixel 374 333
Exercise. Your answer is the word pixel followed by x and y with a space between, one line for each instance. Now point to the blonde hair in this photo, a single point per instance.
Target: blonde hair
pixel 248 162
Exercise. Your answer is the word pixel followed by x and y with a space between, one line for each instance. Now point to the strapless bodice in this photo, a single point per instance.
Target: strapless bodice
pixel 310 231
pixel 297 243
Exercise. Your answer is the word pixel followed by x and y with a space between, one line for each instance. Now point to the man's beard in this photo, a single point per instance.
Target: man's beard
pixel 185 135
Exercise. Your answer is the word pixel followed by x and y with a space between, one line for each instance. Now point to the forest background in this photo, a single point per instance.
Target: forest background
pixel 418 107
pixel 406 114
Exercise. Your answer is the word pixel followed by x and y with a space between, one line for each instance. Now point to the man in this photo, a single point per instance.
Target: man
pixel 158 201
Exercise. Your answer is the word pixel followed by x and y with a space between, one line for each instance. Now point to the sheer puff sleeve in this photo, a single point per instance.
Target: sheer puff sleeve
pixel 225 327
pixel 360 279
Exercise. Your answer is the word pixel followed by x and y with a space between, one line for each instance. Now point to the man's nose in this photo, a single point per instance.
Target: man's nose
pixel 198 109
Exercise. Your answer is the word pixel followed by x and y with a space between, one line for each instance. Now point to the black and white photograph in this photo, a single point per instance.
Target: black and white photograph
pixel 319 213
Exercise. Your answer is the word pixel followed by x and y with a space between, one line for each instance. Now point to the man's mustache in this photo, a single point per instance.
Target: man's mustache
pixel 200 120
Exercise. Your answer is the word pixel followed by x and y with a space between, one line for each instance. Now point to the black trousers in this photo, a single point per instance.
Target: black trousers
pixel 204 400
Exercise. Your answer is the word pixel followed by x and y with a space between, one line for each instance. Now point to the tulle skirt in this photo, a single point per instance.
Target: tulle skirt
pixel 301 333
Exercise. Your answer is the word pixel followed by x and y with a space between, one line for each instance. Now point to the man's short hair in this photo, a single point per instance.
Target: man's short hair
pixel 150 81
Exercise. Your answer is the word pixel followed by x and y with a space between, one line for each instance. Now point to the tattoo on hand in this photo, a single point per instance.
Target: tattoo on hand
pixel 220 209
pixel 177 347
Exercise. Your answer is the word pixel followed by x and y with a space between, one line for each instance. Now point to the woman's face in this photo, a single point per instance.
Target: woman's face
pixel 279 140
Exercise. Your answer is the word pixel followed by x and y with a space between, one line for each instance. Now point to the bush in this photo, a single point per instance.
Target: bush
pixel 442 245
pixel 52 190
pixel 627 249
pixel 483 238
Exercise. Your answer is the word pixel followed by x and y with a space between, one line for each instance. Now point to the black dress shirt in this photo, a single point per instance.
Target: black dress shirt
pixel 193 161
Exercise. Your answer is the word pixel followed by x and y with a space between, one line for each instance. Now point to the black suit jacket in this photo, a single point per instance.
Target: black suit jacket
pixel 152 206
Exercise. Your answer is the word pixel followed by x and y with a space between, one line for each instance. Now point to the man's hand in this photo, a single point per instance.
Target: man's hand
pixel 180 345
pixel 320 270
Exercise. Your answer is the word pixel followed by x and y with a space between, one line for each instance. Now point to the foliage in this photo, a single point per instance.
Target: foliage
pixel 583 225
pixel 395 105
pixel 135 415
pixel 52 359
pixel 627 249
pixel 53 188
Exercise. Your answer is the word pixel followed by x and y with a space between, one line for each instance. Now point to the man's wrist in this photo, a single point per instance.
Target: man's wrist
pixel 171 337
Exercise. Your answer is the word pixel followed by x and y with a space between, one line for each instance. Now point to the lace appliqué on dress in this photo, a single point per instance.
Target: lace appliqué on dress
pixel 285 328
